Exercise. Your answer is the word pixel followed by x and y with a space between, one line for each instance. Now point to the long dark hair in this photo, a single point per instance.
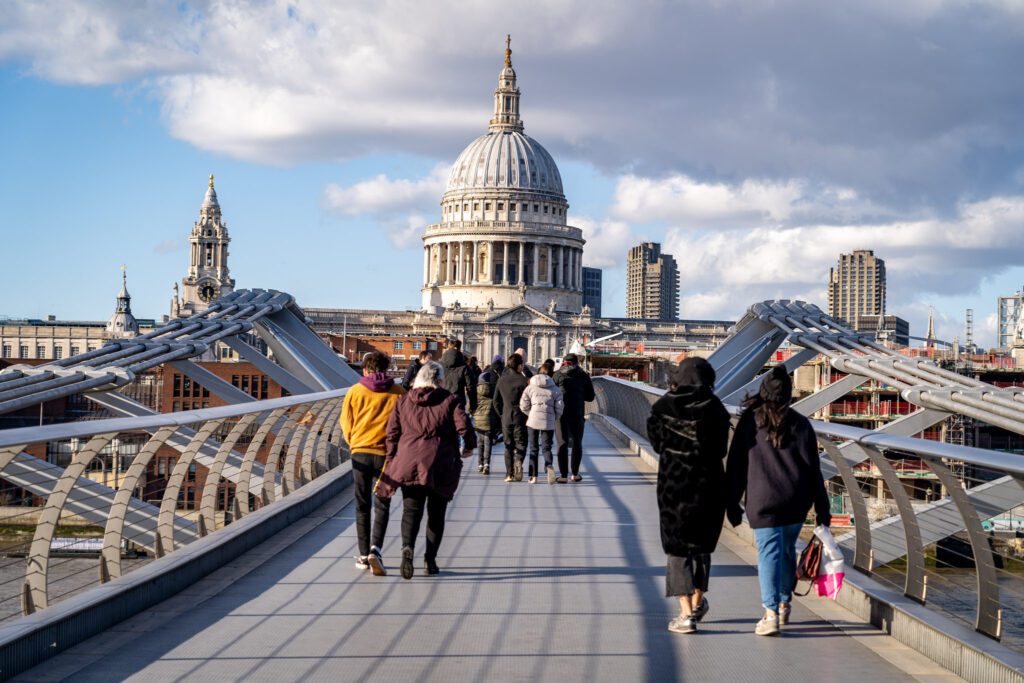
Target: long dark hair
pixel 771 404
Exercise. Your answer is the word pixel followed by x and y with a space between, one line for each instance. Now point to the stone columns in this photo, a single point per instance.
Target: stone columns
pixel 536 263
pixel 426 266
pixel 504 265
pixel 461 277
pixel 451 263
pixel 474 272
pixel 522 263
pixel 551 270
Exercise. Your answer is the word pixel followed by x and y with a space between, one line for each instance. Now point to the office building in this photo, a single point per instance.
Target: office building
pixel 856 286
pixel 652 284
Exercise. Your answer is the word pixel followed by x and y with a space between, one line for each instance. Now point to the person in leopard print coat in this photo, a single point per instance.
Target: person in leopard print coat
pixel 689 429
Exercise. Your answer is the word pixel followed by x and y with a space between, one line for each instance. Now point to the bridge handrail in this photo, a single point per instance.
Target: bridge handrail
pixel 630 403
pixel 268 449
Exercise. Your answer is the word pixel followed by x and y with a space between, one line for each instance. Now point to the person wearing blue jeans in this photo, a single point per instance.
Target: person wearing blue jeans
pixel 774 461
pixel 543 404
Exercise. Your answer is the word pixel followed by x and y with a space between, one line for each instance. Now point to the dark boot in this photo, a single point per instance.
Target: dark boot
pixel 430 567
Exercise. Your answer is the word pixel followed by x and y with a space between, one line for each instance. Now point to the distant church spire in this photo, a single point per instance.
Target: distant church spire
pixel 506 97
pixel 930 339
pixel 123 323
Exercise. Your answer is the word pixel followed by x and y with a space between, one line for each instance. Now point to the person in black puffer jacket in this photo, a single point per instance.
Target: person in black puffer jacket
pixel 577 390
pixel 689 429
pixel 457 378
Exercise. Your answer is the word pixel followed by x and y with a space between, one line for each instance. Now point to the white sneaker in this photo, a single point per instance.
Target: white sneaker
pixel 683 624
pixel 361 562
pixel 768 626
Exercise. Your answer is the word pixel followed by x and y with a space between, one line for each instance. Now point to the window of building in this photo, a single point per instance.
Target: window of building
pixel 175 406
pixel 75 350
pixel 501 206
pixel 40 352
pixel 7 351
pixel 417 346
pixel 476 206
pixel 536 208
pixel 545 208
pixel 245 383
pixel 255 391
pixel 399 345
pixel 176 385
pixel 487 206
pixel 186 385
pixel 263 386
pixel 465 207
pixel 58 352
pixel 512 206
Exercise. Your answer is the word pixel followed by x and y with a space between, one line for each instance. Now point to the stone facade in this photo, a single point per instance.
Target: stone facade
pixel 503 239
pixel 208 275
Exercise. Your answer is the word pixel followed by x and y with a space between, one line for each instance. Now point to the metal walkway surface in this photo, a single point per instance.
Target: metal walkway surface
pixel 538 583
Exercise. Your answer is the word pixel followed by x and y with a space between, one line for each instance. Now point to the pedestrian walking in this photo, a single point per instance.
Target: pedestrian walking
pixel 774 460
pixel 689 429
pixel 542 403
pixel 485 420
pixel 414 368
pixel 507 395
pixel 457 378
pixel 577 390
pixel 474 370
pixel 365 412
pixel 425 462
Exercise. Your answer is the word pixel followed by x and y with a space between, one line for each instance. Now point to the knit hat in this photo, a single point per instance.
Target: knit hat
pixel 777 386
pixel 498 358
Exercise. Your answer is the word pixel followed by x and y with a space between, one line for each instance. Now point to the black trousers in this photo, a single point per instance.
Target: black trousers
pixel 416 499
pixel 485 440
pixel 540 441
pixel 515 442
pixel 571 427
pixel 366 467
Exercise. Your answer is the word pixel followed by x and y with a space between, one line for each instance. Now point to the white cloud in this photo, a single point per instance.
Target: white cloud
pixel 384 195
pixel 723 272
pixel 607 241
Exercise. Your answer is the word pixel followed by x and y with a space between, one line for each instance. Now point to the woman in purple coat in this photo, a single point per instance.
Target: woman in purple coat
pixel 423 459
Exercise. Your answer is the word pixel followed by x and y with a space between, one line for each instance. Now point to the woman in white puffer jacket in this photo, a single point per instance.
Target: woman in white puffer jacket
pixel 542 402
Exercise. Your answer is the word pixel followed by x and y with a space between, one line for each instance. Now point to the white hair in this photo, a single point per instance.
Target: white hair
pixel 430 375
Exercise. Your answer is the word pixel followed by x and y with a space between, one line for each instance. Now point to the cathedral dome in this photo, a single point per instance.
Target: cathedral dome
pixel 505 159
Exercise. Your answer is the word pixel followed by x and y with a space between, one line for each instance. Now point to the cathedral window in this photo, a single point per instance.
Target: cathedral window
pixel 487 206
pixel 476 206
pixel 512 207
pixel 545 208
pixel 501 206
pixel 465 207
pixel 536 208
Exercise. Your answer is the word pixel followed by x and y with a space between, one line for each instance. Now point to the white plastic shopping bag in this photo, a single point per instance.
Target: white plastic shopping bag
pixel 833 569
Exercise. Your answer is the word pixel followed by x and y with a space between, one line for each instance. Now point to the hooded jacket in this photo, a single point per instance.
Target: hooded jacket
pixel 507 395
pixel 457 378
pixel 410 373
pixel 577 389
pixel 689 429
pixel 422 445
pixel 485 419
pixel 542 403
pixel 365 412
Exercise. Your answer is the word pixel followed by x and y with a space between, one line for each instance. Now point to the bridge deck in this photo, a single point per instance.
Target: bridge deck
pixel 538 583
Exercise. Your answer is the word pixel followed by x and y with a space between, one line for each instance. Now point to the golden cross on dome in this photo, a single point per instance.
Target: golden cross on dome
pixel 211 181
pixel 508 49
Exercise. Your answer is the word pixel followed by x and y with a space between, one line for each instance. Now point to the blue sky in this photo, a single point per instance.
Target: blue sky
pixel 754 140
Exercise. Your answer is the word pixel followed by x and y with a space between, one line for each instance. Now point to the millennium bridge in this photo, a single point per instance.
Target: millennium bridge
pixel 537 582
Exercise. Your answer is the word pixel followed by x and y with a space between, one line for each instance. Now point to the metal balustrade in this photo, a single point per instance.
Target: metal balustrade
pixel 266 449
pixel 901 539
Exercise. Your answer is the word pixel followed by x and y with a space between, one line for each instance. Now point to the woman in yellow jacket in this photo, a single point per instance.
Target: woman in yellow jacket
pixel 364 419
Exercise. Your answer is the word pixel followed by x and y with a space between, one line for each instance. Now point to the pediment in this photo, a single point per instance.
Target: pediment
pixel 523 314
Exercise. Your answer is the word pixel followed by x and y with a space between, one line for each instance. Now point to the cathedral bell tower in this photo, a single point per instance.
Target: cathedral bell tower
pixel 208 275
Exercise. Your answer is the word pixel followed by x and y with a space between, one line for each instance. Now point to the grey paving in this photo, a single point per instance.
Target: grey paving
pixel 538 583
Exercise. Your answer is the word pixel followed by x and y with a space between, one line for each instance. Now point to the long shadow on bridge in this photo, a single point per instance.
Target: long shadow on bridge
pixel 538 583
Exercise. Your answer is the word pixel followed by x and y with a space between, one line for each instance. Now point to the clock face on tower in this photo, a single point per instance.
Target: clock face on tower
pixel 207 292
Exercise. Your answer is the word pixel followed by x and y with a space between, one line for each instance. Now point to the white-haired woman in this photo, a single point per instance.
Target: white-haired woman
pixel 423 459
